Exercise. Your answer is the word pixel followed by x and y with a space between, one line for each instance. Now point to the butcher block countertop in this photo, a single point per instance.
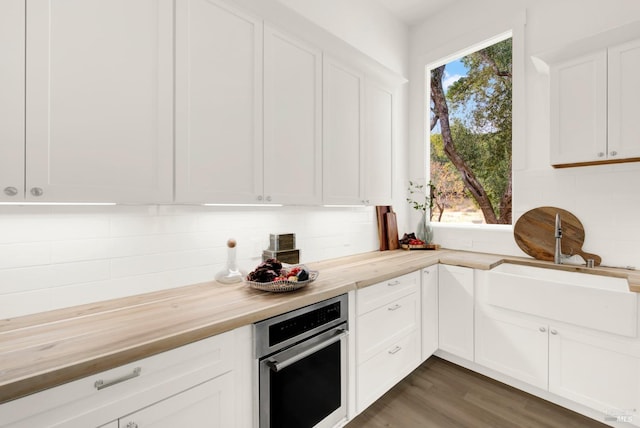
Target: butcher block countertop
pixel 44 350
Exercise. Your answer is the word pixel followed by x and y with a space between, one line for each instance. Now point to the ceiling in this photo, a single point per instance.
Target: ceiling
pixel 414 11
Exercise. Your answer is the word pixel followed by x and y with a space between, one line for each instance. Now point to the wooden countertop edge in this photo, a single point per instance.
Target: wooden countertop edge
pixel 338 276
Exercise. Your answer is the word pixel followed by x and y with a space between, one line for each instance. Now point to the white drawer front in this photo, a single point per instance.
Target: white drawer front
pixel 379 328
pixel 159 376
pixel 380 373
pixel 377 295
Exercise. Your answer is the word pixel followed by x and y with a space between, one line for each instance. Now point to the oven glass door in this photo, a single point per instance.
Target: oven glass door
pixel 305 386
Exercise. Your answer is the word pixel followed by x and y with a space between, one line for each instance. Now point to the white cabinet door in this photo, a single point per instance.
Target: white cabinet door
pixel 599 371
pixel 218 103
pixel 429 311
pixel 455 310
pixel 99 100
pixel 579 110
pixel 378 147
pixel 12 57
pixel 624 91
pixel 209 405
pixel 343 91
pixel 292 120
pixel 512 345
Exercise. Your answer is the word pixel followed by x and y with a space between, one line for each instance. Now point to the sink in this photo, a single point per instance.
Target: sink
pixel 586 300
pixel 562 276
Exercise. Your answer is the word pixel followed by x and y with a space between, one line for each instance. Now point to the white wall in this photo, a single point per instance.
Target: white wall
pixel 362 23
pixel 53 257
pixel 604 198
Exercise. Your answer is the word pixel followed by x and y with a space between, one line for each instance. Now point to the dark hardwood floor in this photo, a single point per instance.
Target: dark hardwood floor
pixel 441 394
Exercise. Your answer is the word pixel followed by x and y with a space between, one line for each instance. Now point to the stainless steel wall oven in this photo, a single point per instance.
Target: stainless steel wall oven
pixel 302 359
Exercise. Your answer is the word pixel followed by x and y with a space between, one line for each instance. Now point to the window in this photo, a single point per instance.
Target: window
pixel 471 136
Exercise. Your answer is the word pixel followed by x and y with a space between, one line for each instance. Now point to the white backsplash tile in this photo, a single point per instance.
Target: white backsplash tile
pixel 23 255
pixel 19 280
pixel 54 257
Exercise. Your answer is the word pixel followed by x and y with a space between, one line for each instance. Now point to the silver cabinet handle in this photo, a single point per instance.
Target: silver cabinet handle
pixel 613 153
pixel 101 384
pixel 393 283
pixel 10 191
pixel 394 307
pixel 542 329
pixel 36 191
pixel 268 198
pixel 395 350
pixel 600 154
pixel 553 331
pixel 259 198
pixel 132 425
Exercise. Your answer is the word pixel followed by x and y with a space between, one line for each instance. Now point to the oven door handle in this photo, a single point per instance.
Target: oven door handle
pixel 336 335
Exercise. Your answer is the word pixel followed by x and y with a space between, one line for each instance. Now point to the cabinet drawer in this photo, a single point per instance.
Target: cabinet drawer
pixel 382 293
pixel 380 327
pixel 380 373
pixel 123 389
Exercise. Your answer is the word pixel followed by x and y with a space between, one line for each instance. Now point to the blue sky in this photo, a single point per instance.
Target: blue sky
pixel 452 72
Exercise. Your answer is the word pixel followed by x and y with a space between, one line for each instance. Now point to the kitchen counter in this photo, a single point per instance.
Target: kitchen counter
pixel 45 350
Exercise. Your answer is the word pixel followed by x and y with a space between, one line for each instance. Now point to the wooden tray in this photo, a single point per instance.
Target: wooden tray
pixel 534 233
pixel 421 247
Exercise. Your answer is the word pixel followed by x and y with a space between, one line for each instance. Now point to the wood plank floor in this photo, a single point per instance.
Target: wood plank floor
pixel 441 394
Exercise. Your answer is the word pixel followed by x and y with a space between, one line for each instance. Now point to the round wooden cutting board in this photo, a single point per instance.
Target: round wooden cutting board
pixel 534 233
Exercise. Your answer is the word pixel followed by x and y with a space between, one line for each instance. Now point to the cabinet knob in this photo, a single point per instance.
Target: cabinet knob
pixel 600 154
pixel 553 331
pixel 259 198
pixel 10 191
pixel 268 198
pixel 542 329
pixel 132 425
pixel 613 153
pixel 36 191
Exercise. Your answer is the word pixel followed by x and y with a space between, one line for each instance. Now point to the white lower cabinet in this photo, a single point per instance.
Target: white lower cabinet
pixel 600 371
pixel 455 310
pixel 208 404
pixel 596 369
pixel 429 311
pixel 202 384
pixel 512 345
pixel 387 335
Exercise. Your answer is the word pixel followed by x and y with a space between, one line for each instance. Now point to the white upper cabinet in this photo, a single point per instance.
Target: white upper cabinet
pixel 218 104
pixel 579 110
pixel 12 51
pixel 624 92
pixel 358 137
pixel 292 120
pixel 99 100
pixel 378 147
pixel 343 129
pixel 594 107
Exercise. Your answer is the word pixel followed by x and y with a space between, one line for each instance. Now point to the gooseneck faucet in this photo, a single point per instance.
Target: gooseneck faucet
pixel 558 257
